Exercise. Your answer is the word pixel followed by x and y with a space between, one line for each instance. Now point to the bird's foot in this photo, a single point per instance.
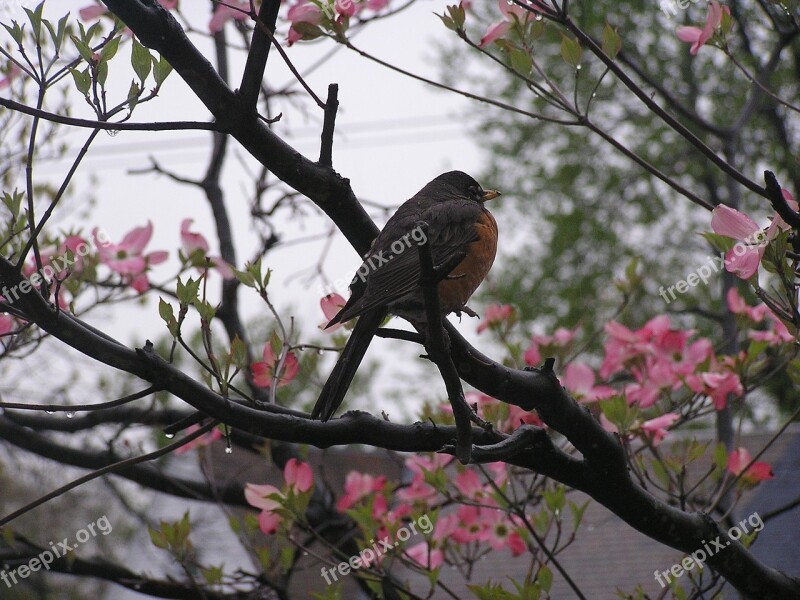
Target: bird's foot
pixel 467 311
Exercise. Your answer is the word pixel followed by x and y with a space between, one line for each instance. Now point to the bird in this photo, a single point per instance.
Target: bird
pixel 460 231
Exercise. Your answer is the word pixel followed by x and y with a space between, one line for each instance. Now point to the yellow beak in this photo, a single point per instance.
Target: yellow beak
pixel 490 194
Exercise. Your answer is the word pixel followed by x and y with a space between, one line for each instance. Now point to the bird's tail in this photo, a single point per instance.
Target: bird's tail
pixel 345 369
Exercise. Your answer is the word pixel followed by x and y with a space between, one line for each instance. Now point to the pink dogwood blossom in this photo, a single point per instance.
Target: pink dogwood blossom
pixel 758 471
pixel 495 315
pixel 264 371
pixel 699 37
pixel 659 427
pixel 128 258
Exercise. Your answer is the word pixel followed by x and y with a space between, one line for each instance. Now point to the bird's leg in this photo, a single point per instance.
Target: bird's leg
pixel 466 310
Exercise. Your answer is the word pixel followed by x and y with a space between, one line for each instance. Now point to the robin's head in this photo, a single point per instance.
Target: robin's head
pixel 459 184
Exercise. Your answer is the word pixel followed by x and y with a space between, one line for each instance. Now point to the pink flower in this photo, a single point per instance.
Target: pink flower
pixel 93 11
pixel 13 72
pixel 698 37
pixel 743 259
pixel 347 8
pixel 500 532
pixel 423 555
pixel 777 334
pixel 238 11
pixel 376 5
pixel 758 471
pixel 78 247
pixel 519 416
pixel 469 484
pixel 191 240
pixel 331 304
pixel 264 371
pixel 302 11
pixel 419 490
pixel 7 324
pixel 259 497
pixel 561 338
pixel 127 258
pixel 719 385
pixel 579 379
pixel 608 425
pixel 511 13
pixel 298 475
pixel 203 440
pixel 357 486
pixel 495 315
pixel 658 427
pixel 298 478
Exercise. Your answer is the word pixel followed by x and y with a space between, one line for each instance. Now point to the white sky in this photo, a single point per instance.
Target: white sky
pixel 393 135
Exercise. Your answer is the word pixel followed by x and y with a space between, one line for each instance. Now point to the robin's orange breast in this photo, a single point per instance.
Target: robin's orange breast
pixel 470 272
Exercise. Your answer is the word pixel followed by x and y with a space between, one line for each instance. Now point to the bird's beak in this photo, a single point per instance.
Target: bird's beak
pixel 490 194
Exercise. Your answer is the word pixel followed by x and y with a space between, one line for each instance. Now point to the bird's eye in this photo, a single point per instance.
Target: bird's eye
pixel 476 192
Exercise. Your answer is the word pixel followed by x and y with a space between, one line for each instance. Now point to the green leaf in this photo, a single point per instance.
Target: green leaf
pixel 571 51
pixel 617 411
pixel 696 450
pixel 720 458
pixel 660 472
pixel 83 49
pixel 448 22
pixel 94 30
pixel 556 498
pixel 141 61
pixel 545 578
pixel 577 513
pixel 15 32
pixel 245 278
pixel 721 243
pixel 521 61
pixel 205 310
pixel 187 292
pixel 239 353
pixel 161 70
pixel 35 17
pixel 212 575
pixel 110 49
pixel 793 371
pixel 158 538
pixel 102 73
pixel 133 95
pixel 82 79
pixel 457 16
pixel 307 30
pixel 165 310
pixel 612 42
pixel 13 202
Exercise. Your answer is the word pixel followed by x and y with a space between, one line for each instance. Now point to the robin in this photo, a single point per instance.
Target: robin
pixel 460 232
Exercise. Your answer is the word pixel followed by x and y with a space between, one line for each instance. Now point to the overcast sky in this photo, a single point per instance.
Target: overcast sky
pixel 393 135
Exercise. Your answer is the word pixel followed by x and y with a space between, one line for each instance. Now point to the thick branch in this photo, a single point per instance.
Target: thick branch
pixel 157 28
pixel 259 53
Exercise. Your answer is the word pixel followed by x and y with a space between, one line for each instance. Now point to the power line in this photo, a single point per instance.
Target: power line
pixel 378 126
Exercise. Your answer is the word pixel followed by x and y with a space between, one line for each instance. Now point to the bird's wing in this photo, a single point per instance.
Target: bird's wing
pixel 396 272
